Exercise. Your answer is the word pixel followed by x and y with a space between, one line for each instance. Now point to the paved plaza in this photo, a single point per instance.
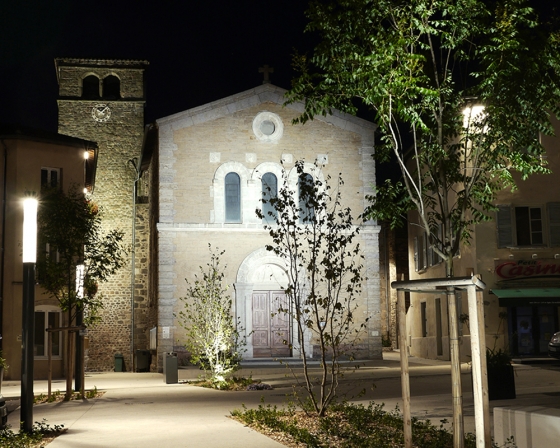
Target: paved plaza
pixel 139 409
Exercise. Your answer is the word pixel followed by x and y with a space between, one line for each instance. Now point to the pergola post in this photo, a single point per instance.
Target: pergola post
pixel 474 287
pixel 480 375
pixel 405 380
pixel 456 384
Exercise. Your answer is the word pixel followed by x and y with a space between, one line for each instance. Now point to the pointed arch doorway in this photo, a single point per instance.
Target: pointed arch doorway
pixel 259 294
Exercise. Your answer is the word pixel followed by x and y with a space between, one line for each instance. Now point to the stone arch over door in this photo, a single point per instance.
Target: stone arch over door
pixel 260 272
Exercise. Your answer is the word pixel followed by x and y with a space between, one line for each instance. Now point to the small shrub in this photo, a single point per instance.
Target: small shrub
pixel 259 386
pixel 212 335
pixel 40 431
pixel 349 425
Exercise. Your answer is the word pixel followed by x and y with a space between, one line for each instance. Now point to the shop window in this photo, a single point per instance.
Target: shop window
pixel 269 187
pixel 90 87
pixel 306 191
pixel 47 317
pixel 233 198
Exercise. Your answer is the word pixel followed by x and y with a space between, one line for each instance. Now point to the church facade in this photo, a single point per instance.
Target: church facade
pixel 166 186
pixel 211 163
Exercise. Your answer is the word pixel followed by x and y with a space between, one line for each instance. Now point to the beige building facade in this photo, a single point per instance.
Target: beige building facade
pixel 211 163
pixel 30 160
pixel 517 255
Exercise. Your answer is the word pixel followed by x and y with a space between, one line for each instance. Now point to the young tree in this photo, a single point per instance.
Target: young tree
pixel 316 237
pixel 461 90
pixel 71 235
pixel 212 335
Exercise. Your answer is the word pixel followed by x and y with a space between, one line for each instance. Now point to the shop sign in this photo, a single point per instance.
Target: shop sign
pixel 526 269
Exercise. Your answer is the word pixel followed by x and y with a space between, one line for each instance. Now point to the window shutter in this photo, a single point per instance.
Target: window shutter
pixel 429 252
pixel 553 210
pixel 419 253
pixel 424 263
pixel 504 224
pixel 416 261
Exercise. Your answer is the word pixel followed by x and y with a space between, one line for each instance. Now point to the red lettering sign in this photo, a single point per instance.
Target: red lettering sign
pixel 519 269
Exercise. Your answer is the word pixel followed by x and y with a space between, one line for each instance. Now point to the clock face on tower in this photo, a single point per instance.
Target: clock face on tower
pixel 101 112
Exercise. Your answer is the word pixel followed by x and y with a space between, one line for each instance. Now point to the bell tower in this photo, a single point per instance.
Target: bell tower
pixel 103 101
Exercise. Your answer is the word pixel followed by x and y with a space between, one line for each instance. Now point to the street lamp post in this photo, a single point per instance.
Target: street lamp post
pixel 28 311
pixel 79 368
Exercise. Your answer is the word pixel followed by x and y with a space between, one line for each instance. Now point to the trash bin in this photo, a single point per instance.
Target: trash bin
pixel 143 360
pixel 170 368
pixel 119 362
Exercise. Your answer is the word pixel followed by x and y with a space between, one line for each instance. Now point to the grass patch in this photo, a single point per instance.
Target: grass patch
pixel 346 426
pixel 40 436
pixel 58 396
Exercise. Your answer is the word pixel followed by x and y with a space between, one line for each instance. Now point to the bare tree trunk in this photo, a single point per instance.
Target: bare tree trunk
pixel 49 348
pixel 70 369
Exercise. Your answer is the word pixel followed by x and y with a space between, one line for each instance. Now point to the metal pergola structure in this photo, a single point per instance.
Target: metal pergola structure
pixel 474 287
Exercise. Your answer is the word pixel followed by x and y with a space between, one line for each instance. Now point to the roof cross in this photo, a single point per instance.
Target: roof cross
pixel 266 70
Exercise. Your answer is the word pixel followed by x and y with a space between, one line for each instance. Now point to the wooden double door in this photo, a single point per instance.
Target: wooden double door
pixel 271 328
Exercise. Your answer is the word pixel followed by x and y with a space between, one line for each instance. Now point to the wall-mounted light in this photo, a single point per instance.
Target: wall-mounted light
pixel 86 155
pixel 556 256
pixel 511 256
pixel 534 256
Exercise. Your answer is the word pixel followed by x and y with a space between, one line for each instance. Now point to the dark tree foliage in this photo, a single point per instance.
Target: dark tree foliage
pixel 70 234
pixel 461 90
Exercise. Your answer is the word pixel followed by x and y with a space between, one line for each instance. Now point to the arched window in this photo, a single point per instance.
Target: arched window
pixel 269 189
pixel 306 193
pixel 233 197
pixel 111 88
pixel 90 87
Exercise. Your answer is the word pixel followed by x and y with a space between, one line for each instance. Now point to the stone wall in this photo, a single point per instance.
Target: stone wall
pixel 144 305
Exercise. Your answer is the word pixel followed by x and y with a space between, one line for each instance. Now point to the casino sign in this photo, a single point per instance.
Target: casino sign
pixel 526 269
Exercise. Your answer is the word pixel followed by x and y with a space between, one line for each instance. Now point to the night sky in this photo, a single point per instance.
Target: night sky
pixel 198 51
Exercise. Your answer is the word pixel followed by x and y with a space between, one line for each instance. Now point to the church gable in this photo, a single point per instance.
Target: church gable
pixel 266 93
pixel 239 133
